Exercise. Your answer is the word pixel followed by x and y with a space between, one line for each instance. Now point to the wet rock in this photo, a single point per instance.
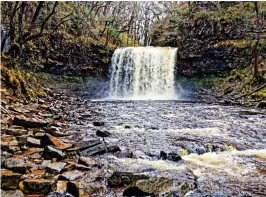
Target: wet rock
pixel 145 187
pixel 163 155
pixel 87 144
pixel 139 155
pixel 200 150
pixel 16 164
pixel 124 178
pixel 174 157
pixel 97 124
pixel 84 189
pixel 36 186
pixel 57 143
pixel 71 175
pixel 113 148
pixel 102 134
pixel 88 161
pixel 262 105
pixel 9 180
pixel 72 154
pixel 51 152
pixel 33 142
pixel 11 193
pixel 95 150
pixel 56 167
pixel 29 122
pixel 15 132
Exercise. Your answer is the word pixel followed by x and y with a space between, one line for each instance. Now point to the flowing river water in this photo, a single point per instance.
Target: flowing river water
pixel 207 149
pixel 222 148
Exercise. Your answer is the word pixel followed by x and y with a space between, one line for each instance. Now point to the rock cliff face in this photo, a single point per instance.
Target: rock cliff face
pixel 211 37
pixel 62 54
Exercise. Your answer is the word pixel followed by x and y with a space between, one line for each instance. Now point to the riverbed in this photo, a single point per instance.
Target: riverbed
pixel 216 150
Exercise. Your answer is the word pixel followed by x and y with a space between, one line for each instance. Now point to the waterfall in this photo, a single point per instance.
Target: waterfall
pixel 143 73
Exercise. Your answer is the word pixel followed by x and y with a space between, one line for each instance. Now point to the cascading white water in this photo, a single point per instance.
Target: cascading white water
pixel 143 73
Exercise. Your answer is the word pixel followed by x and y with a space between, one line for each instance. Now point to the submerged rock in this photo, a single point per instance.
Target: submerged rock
pixel 146 187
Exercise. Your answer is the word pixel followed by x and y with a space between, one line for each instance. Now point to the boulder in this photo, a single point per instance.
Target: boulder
pixel 71 175
pixel 147 187
pixel 56 167
pixel 124 178
pixel 29 122
pixel 57 143
pixel 11 193
pixel 9 180
pixel 36 186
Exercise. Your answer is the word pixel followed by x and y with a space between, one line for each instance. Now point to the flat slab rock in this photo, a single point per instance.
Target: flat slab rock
pixel 95 150
pixel 56 167
pixel 48 139
pixel 36 186
pixel 29 122
pixel 71 175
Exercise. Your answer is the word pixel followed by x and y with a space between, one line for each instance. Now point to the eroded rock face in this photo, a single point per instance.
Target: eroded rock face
pixel 151 186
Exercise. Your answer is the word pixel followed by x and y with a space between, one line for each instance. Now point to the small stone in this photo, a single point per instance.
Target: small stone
pixel 71 175
pixel 97 124
pixel 44 164
pixel 39 135
pixel 11 193
pixel 33 141
pixel 147 187
pixel 29 122
pixel 50 140
pixel 9 180
pixel 56 167
pixel 36 186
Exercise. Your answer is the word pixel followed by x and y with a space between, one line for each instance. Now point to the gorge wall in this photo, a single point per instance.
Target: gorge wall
pixel 211 37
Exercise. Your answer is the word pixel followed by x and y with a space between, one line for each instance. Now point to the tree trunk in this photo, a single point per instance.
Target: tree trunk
pixel 256 67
